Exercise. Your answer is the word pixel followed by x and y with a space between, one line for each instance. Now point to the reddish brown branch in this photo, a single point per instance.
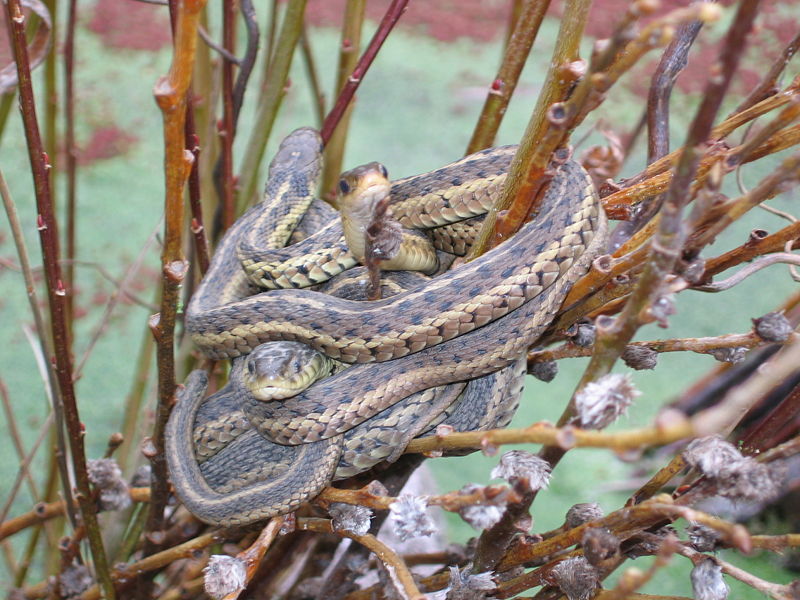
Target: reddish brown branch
pixel 171 95
pixel 389 20
pixel 48 235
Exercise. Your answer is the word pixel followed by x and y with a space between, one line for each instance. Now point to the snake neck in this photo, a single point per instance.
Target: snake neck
pixel 354 226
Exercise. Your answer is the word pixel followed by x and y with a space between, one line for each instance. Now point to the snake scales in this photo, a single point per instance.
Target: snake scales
pixel 495 307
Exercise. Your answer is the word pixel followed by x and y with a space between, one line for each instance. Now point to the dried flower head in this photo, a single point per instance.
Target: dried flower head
pixel 115 497
pixel 599 544
pixel 750 480
pixel 544 370
pixel 106 476
pixel 711 454
pixel 466 586
pixel 583 513
pixel 480 516
pixel 703 538
pixel 410 517
pixel 773 327
pixel 224 575
pixel 347 517
pixel 601 402
pixel 707 582
pixel 576 578
pixel 103 472
pixel 518 465
pixel 640 357
pixel 582 334
pixel 737 477
pixel 74 580
pixel 729 355
pixel 141 478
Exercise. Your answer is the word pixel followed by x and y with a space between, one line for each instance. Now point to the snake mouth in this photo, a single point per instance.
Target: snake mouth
pixel 280 370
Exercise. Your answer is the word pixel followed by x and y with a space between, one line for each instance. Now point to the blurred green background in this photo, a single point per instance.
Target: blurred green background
pixel 415 111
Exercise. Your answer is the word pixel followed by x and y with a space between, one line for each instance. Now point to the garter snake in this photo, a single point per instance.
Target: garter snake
pixel 495 307
pixel 227 474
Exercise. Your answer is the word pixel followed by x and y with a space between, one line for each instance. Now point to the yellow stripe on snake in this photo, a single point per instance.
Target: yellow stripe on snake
pixel 472 321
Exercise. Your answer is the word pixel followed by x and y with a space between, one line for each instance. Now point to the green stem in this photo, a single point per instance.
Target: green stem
pixel 275 90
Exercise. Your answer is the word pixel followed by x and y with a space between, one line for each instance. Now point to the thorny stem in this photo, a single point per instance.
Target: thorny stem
pixel 56 292
pixel 171 96
pixel 613 337
pixel 389 20
pixel 562 106
pixel 672 62
pixel 701 345
pixel 525 29
pixel 525 180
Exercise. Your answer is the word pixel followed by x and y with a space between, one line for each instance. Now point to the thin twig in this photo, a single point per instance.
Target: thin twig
pixel 526 25
pixel 389 20
pixel 50 378
pixel 398 572
pixel 56 292
pixel 274 90
pixel 171 96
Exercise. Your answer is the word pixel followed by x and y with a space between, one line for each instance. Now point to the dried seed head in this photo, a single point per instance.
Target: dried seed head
pixel 662 309
pixel 347 517
pixel 703 538
pixel 465 586
pixel 707 582
pixel 601 402
pixel 141 478
pixel 520 466
pixel 480 516
pixel 694 270
pixel 582 334
pixel 224 575
pixel 115 497
pixel 410 517
pixel 711 454
pixel 103 472
pixel 640 357
pixel 736 476
pixel 729 355
pixel 576 578
pixel 599 544
pixel 544 370
pixel 773 327
pixel 648 544
pixel 74 580
pixel 583 513
pixel 106 476
pixel 750 480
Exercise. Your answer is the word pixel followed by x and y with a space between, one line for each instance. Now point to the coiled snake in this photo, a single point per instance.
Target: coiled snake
pixel 474 320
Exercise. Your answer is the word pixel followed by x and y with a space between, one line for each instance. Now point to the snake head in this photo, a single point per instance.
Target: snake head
pixel 280 370
pixel 360 189
pixel 301 150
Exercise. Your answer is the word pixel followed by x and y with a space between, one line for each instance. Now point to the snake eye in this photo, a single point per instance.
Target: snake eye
pixel 383 170
pixel 344 187
pixel 251 368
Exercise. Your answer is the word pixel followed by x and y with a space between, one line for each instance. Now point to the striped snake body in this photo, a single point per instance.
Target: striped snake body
pixel 472 321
